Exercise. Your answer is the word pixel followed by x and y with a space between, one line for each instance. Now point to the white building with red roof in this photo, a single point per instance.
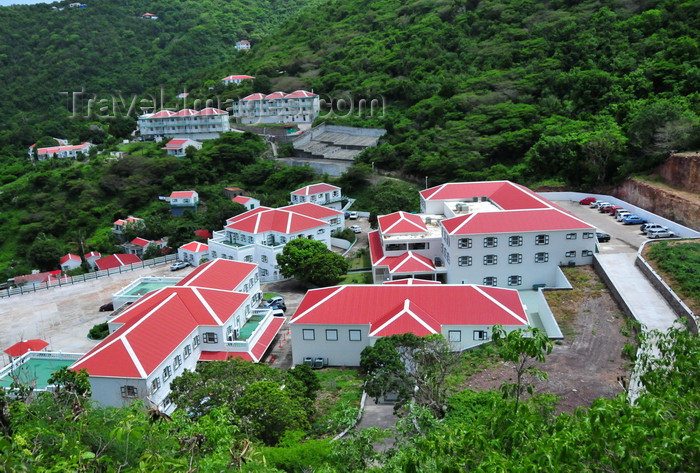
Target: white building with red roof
pixel 91 257
pixel 211 314
pixel 299 106
pixel 236 79
pixel 193 252
pixel 259 235
pixel 206 124
pixel 116 260
pixel 320 194
pixel 138 246
pixel 64 150
pixel 183 200
pixel 243 45
pixel 130 222
pixel 337 323
pixel 249 203
pixel 492 233
pixel 70 261
pixel 178 146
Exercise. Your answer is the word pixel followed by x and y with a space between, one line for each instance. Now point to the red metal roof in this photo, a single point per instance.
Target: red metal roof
pixel 182 194
pixel 406 317
pixel 241 199
pixel 185 112
pixel 195 247
pixel 515 221
pixel 212 111
pixel 315 189
pixel 446 304
pixel 313 210
pixel 221 274
pixel 401 223
pixel 241 77
pixel 161 114
pixel 256 96
pixel 20 348
pixel 278 220
pixel 58 149
pixel 93 254
pixel 114 261
pixel 69 257
pixel 275 95
pixel 411 281
pixel 298 94
pixel 141 242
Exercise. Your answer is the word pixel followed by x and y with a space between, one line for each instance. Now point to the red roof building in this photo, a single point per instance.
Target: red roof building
pixel 178 146
pixel 70 261
pixel 236 79
pixel 115 261
pixel 247 202
pixel 193 253
pixel 205 124
pixel 211 314
pixel 278 107
pixel 336 323
pixel 61 151
pixel 319 194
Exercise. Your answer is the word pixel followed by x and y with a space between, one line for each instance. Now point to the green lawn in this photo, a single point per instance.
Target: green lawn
pixel 360 260
pixel 357 278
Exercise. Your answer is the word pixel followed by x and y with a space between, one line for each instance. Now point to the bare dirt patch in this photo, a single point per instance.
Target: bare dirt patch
pixel 587 363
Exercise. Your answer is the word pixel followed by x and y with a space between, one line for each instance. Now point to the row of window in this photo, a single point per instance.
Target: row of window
pixel 456 335
pixel 572 254
pixel 331 334
pixel 421 245
pixel 516 240
pixel 514 280
pixel 513 258
pixel 130 391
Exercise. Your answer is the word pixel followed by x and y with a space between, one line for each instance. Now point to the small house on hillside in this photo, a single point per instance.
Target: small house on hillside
pixel 319 194
pixel 183 200
pixel 236 79
pixel 127 223
pixel 149 16
pixel 138 246
pixel 92 257
pixel 248 202
pixel 231 192
pixel 243 45
pixel 70 261
pixel 178 146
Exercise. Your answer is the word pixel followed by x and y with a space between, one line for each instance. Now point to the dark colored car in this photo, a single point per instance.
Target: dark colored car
pixel 602 237
pixel 108 307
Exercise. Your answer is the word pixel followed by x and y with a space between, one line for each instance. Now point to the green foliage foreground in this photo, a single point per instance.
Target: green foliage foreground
pixel 57 432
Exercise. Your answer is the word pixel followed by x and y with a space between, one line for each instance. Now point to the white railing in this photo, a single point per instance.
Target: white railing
pixel 70 280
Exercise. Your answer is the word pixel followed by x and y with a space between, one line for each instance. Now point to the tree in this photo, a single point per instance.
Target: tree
pixel 45 252
pixel 415 368
pixel 310 261
pixel 522 348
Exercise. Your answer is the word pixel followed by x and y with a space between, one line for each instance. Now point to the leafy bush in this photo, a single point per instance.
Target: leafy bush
pixel 99 331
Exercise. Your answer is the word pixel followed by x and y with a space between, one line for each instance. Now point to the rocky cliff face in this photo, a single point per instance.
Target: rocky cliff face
pixel 682 171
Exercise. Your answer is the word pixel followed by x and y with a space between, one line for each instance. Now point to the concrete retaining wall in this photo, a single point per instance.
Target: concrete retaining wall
pixel 619 298
pixel 681 310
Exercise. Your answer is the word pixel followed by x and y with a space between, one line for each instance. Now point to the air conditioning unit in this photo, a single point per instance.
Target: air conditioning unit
pixel 428 220
pixel 438 262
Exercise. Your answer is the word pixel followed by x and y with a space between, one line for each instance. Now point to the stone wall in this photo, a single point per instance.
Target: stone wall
pixel 660 201
pixel 682 171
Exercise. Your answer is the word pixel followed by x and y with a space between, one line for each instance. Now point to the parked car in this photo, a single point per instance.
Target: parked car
pixel 647 227
pixel 356 228
pixel 586 201
pixel 277 303
pixel 602 237
pixel 353 215
pixel 179 265
pixel 599 203
pixel 108 307
pixel 620 214
pixel 347 214
pixel 633 219
pixel 614 209
pixel 660 233
pixel 605 208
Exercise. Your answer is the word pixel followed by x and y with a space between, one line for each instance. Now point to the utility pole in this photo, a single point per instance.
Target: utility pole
pixel 426 182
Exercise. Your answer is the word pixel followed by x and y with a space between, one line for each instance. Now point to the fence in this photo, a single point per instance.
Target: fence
pixel 70 280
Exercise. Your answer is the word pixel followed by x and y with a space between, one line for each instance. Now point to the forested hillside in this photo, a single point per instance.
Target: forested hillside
pixel 583 92
pixel 107 48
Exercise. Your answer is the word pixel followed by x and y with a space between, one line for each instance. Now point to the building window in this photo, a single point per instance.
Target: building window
pixel 588 235
pixel 321 230
pixel 211 337
pixel 490 259
pixel 515 280
pixel 167 372
pixel 464 243
pixel 248 259
pixel 490 281
pixel 355 335
pixel 481 335
pixel 587 253
pixel 129 391
pixel 515 240
pixel 570 236
pixel 308 334
pixel 187 351
pixel 454 335
pixel 195 341
pixel 418 246
pixel 263 258
pixel 490 242
pixel 464 261
pixel 263 272
pixel 213 254
pixel 542 240
pixel 571 254
pixel 541 257
pixel 177 361
pixel 332 335
pixel 155 385
pixel 515 258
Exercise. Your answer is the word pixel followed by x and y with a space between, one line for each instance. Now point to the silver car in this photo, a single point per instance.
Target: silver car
pixel 660 233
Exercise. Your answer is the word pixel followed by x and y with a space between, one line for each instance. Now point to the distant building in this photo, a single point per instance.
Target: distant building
pixel 177 146
pixel 205 124
pixel 243 45
pixel 236 79
pixel 92 257
pixel 183 200
pixel 138 246
pixel 248 202
pixel 193 252
pixel 320 194
pixel 297 107
pixel 129 222
pixel 231 192
pixel 37 279
pixel 61 151
pixel 70 261
pixel 149 16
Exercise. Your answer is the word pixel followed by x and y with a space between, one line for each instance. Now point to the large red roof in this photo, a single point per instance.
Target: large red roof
pixel 315 189
pixel 299 94
pixel 58 149
pixel 221 274
pixel 313 210
pixel 69 257
pixel 195 247
pixel 515 221
pixel 428 305
pixel 401 223
pixel 507 195
pixel 114 261
pixel 275 95
pixel 408 262
pixel 277 220
pixel 241 199
pixel 182 194
pixel 238 77
pixel 411 281
pixel 256 96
